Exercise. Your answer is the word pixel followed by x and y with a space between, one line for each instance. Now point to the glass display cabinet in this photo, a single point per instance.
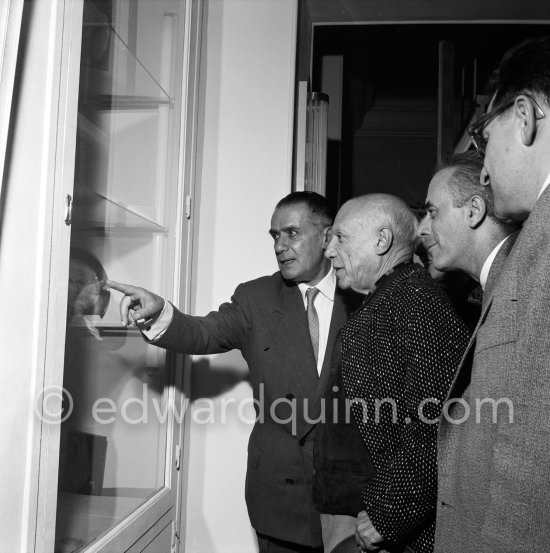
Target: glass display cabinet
pixel 109 475
pixel 116 431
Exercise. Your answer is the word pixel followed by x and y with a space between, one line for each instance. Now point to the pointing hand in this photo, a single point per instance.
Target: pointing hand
pixel 138 306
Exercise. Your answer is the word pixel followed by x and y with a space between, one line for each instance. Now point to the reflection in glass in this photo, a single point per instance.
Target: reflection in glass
pixel 87 293
pixel 114 433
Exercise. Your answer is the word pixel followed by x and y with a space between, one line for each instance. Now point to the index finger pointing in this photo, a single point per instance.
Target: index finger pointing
pixel 126 289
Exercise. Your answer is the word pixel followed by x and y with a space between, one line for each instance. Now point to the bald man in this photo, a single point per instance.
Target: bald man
pixel 399 352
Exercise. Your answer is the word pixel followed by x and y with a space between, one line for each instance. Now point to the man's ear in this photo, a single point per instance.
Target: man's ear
pixel 525 111
pixel 477 211
pixel 384 241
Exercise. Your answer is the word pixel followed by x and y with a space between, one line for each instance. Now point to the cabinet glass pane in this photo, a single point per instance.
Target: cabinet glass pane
pixel 115 429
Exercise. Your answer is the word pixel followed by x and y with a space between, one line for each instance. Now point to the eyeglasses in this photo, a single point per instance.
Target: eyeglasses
pixel 476 130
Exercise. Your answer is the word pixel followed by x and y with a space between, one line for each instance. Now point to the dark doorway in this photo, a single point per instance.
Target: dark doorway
pixel 390 77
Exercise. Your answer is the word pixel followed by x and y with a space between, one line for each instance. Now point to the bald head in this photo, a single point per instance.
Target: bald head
pixel 384 210
pixel 371 234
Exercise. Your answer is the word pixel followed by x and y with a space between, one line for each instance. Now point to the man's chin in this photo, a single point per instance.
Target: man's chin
pixel 438 268
pixel 343 283
pixel 288 273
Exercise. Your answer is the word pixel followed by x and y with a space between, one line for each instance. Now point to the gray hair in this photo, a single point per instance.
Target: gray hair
pixel 465 169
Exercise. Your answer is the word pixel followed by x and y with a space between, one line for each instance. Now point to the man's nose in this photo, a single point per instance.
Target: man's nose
pixel 424 226
pixel 330 252
pixel 280 244
pixel 484 178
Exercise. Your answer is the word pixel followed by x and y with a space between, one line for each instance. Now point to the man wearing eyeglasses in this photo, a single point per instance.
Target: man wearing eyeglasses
pixel 494 473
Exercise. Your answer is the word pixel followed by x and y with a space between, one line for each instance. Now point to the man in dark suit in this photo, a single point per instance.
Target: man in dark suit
pixel 284 325
pixel 399 352
pixel 494 472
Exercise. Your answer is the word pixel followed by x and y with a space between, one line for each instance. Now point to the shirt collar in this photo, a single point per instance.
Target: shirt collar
pixel 326 286
pixel 545 185
pixel 484 275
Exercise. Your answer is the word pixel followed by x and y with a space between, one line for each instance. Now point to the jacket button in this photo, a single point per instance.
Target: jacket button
pixel 289 481
pixel 290 397
pixel 302 441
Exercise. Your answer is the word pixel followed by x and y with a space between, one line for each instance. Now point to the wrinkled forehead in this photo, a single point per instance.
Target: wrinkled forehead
pixel 346 216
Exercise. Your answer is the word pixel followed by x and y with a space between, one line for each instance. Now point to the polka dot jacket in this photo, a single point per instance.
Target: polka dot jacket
pixel 399 354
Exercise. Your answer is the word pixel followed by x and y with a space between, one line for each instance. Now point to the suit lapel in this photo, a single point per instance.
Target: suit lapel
pixel 289 327
pixel 464 371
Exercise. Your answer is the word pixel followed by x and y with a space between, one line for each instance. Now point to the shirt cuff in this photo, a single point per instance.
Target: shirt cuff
pixel 158 327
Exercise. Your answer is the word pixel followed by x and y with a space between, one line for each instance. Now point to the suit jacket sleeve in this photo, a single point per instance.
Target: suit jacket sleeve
pixel 432 339
pixel 217 332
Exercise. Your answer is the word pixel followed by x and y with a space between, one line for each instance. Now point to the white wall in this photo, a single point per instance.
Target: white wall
pixel 245 165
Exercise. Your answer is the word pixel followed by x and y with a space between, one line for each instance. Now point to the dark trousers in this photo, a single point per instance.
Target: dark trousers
pixel 267 544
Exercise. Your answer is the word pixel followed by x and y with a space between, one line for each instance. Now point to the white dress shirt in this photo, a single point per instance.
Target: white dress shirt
pixel 489 263
pixel 323 302
pixel 158 327
pixel 544 186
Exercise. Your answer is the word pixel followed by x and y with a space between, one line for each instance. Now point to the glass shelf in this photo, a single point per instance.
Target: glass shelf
pixel 82 518
pixel 113 76
pixel 121 102
pixel 124 227
pixel 94 212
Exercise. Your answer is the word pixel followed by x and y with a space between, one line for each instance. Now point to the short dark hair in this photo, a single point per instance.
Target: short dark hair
pixel 318 206
pixel 464 182
pixel 523 68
